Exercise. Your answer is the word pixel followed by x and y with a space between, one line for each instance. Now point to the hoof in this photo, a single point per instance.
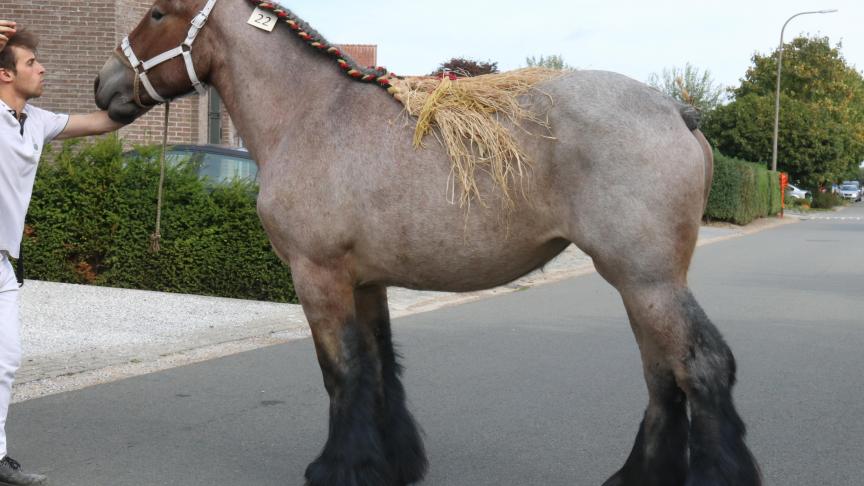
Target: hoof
pixel 410 467
pixel 338 473
pixel 716 477
pixel 617 479
pixel 638 478
pixel 405 452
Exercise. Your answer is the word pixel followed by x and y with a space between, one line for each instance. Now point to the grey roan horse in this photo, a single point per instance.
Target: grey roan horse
pixel 353 208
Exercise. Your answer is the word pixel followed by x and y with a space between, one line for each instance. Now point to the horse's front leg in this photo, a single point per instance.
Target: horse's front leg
pixel 347 349
pixel 402 442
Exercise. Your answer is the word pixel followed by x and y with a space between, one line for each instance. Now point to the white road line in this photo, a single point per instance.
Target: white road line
pixel 834 218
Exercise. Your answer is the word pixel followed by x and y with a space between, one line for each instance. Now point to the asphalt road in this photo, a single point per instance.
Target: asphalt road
pixel 538 387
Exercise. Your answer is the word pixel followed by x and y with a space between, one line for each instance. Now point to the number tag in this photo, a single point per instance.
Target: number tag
pixel 263 19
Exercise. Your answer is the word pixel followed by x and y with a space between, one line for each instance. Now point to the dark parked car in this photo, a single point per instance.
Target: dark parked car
pixel 218 164
pixel 215 163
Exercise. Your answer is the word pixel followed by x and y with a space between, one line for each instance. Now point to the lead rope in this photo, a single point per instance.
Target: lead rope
pixel 157 235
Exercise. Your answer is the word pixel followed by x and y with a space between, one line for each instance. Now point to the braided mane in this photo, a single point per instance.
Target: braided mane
pixel 378 75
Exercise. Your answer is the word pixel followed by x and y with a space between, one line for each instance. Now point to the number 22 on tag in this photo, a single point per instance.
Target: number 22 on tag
pixel 263 19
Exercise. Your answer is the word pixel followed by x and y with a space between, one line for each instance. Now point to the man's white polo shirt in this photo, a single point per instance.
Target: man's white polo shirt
pixel 19 157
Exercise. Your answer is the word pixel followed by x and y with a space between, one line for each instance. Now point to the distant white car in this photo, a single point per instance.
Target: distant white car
pixel 851 192
pixel 794 191
pixel 858 186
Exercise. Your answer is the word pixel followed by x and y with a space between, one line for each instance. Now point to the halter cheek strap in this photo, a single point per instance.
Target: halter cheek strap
pixel 185 50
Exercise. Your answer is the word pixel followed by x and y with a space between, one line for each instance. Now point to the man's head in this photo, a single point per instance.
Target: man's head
pixel 19 68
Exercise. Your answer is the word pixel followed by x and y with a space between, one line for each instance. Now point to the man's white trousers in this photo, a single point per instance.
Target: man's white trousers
pixel 10 341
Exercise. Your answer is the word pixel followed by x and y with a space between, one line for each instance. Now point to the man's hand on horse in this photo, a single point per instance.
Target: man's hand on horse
pixel 7 30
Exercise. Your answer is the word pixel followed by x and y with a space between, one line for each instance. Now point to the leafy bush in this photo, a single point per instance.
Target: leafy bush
pixel 93 212
pixel 826 200
pixel 466 67
pixel 742 191
pixel 795 203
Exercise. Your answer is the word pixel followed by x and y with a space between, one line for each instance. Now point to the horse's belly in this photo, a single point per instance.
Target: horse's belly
pixel 462 270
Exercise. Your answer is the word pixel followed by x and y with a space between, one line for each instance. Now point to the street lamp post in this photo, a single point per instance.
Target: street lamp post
pixel 777 92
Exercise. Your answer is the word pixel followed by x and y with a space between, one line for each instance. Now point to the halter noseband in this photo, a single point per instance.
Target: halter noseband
pixel 185 49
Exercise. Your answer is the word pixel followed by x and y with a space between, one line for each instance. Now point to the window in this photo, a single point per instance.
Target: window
pixel 222 168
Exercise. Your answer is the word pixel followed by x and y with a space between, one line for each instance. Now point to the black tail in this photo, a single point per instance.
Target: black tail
pixel 691 116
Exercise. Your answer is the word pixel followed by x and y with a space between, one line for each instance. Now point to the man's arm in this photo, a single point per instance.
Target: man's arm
pixel 95 123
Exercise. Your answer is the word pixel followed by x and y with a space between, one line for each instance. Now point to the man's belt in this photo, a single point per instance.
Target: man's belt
pixel 19 264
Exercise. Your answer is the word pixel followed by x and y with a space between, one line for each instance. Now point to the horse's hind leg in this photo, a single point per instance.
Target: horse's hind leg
pixel 348 353
pixel 685 360
pixel 402 442
pixel 659 456
pixel 684 355
pixel 718 455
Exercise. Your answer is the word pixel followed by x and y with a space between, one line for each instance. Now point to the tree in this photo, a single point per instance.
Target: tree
pixel 551 62
pixel 821 136
pixel 466 67
pixel 690 86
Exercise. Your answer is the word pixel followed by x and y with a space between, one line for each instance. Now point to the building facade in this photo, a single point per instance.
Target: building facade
pixel 76 38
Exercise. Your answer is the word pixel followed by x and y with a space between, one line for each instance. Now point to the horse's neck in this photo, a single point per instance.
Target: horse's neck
pixel 275 81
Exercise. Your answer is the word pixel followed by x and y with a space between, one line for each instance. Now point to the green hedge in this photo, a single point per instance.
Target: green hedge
pixel 826 200
pixel 742 191
pixel 93 211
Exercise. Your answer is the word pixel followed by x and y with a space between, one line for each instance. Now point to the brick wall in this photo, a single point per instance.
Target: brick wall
pixel 364 54
pixel 77 37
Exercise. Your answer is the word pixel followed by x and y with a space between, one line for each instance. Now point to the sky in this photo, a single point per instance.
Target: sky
pixel 635 38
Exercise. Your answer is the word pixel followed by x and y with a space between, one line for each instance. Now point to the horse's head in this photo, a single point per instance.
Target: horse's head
pixel 156 62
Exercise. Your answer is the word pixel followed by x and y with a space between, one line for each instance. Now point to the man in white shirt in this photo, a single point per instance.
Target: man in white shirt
pixel 24 131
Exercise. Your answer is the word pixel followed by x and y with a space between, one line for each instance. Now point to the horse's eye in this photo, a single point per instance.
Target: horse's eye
pixel 156 14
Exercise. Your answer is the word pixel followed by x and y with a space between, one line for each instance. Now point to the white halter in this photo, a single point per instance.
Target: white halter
pixel 184 49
